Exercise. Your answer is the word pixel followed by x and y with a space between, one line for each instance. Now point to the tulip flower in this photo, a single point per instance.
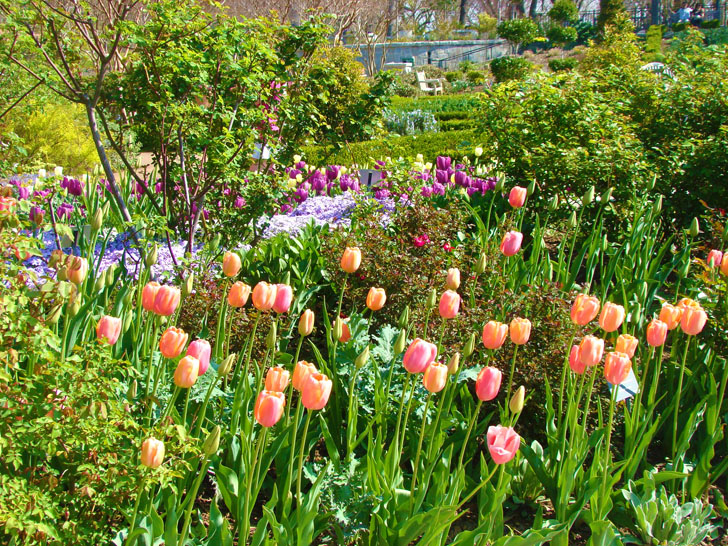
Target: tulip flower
pixel 453 278
pixel 517 197
pixel 611 317
pixel 264 296
pixel 591 350
pixel 656 333
pixel 376 298
pixel 671 315
pixel 7 203
pixel 315 391
pixel 238 294
pixel 172 342
pixel 584 309
pixel 108 329
pixel 626 344
pixel 231 264
pixel 488 383
pixel 503 442
pixel 201 350
pixel 152 452
pixel 715 258
pixel 511 243
pixel 166 300
pixel 520 330
pixel 76 269
pixel 186 373
pixel 149 295
pixel 693 320
pixel 435 377
pixel 684 303
pixel 449 304
pixel 419 355
pixel 300 372
pixel 617 367
pixel 269 407
pixel 494 334
pixel 351 259
pixel 276 379
pixel 575 363
pixel 724 265
pixel 284 297
pixel 305 323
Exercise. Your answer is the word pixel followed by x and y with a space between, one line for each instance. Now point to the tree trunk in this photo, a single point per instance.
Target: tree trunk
pixel 533 12
pixel 463 10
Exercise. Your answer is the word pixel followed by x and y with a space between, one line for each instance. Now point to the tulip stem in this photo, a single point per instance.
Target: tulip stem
pixel 295 361
pixel 399 414
pixel 607 449
pixel 294 434
pixel 251 339
pixel 300 459
pixel 589 397
pixel 187 403
pixel 563 378
pixel 151 364
pixel 140 492
pixel 442 334
pixel 416 467
pixel 203 409
pixel 510 380
pixel 436 424
pixel 407 413
pixel 478 488
pixel 467 434
pixel 351 436
pixel 191 504
pixel 251 473
pixel 677 402
pixel 170 404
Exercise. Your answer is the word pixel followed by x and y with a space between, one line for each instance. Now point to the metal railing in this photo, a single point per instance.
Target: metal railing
pixel 490 51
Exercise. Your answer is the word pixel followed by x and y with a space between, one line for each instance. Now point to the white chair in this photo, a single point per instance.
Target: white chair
pixel 658 68
pixel 425 86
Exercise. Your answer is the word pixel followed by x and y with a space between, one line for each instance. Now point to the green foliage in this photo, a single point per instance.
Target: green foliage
pixel 611 13
pixel 618 47
pixel 457 114
pixel 679 27
pixel 713 23
pixel 436 103
pixel 452 76
pixel 476 77
pixel 559 65
pixel 560 36
pixel 518 31
pixel 510 68
pixel 653 44
pixel 455 125
pixel 487 25
pixel 564 11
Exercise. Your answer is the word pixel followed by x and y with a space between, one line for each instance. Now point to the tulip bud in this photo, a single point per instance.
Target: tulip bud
pixel 481 263
pixel 572 220
pixel 227 365
pixel 270 339
pixel 152 256
pixel 362 359
pixel 338 328
pixel 651 183
pixel 399 345
pixel 100 283
pixel 657 206
pixel 500 184
pixel 685 269
pixel 432 299
pixel 188 284
pixel 453 364
pixel 478 151
pixel 97 220
pixel 62 273
pixel 305 323
pixel 516 402
pixel 606 196
pixel 605 243
pixel 469 346
pixel 54 314
pixel 128 298
pixel 127 322
pixel 132 391
pixel 109 275
pixel 531 188
pixel 588 197
pixel 452 282
pixel 215 243
pixel 694 227
pixel 212 442
pixel 554 203
pixel 74 306
pixel 404 318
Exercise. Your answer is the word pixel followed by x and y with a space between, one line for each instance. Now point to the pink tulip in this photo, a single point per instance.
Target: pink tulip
pixel 584 309
pixel 166 300
pixel 108 329
pixel 488 383
pixel 284 297
pixel 315 391
pixel 201 350
pixel 503 442
pixel 269 407
pixel 693 320
pixel 617 367
pixel 435 377
pixel 449 304
pixel 591 350
pixel 419 355
pixel 494 334
pixel 656 333
pixel 575 363
pixel 715 258
pixel 517 197
pixel 511 243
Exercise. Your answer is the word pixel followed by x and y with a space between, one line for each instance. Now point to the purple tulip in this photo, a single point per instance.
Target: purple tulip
pixel 443 163
pixel 36 215
pixel 462 179
pixel 293 173
pixel 73 186
pixel 442 177
pixel 426 191
pixel 23 192
pixel 318 182
pixel 64 210
pixel 239 202
pixel 438 188
pixel 332 172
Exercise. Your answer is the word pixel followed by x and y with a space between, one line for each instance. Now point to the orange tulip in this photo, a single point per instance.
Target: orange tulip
pixel 152 452
pixel 693 320
pixel 231 264
pixel 616 367
pixel 351 259
pixel 611 317
pixel 149 294
pixel 517 197
pixel 453 278
pixel 494 334
pixel 108 329
pixel 172 342
pixel 591 350
pixel 520 330
pixel 488 383
pixel 186 373
pixel 315 391
pixel 684 303
pixel 166 300
pixel 626 344
pixel 264 296
pixel 435 377
pixel 671 315
pixel 724 265
pixel 238 294
pixel 269 407
pixel 656 332
pixel 376 298
pixel 449 304
pixel 300 372
pixel 584 309
pixel 76 269
pixel 305 323
pixel 276 379
pixel 575 363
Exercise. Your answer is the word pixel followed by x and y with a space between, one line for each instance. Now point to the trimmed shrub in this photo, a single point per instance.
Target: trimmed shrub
pixel 653 44
pixel 714 23
pixel 475 77
pixel 518 31
pixel 455 125
pixel 452 76
pixel 447 116
pixel 564 11
pixel 559 35
pixel 559 65
pixel 510 68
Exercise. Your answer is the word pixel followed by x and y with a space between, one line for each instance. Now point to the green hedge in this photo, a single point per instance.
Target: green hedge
pixel 457 114
pixel 454 125
pixel 558 65
pixel 452 143
pixel 436 103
